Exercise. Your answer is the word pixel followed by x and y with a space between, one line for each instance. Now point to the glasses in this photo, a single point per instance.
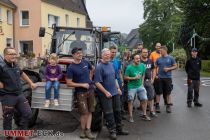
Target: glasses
pixel 11 54
pixel 144 52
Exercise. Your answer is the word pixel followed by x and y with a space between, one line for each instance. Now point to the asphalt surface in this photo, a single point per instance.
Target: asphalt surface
pixel 182 124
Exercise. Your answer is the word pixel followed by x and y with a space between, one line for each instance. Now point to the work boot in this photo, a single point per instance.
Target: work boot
pixel 189 104
pixel 89 135
pixel 82 134
pixel 197 104
pixel 113 136
pixel 122 132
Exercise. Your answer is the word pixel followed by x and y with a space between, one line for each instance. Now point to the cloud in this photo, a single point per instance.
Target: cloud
pixel 120 15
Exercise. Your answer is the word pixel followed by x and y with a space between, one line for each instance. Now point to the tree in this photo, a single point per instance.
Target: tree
pixel 162 23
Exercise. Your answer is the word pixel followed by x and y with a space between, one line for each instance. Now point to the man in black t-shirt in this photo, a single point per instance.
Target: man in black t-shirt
pixel 148 81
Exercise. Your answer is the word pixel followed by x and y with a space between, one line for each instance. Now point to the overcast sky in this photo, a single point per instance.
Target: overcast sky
pixel 120 15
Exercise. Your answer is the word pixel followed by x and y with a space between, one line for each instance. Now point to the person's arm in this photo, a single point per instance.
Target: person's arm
pixel 1 85
pixel 173 67
pixel 103 90
pixel 59 73
pixel 70 83
pixel 118 88
pixel 28 80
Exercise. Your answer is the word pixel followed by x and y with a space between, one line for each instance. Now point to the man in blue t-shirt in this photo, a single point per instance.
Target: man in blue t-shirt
pixel 165 64
pixel 78 76
pixel 109 94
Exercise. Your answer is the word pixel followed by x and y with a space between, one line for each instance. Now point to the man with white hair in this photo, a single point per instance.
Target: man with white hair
pixel 109 94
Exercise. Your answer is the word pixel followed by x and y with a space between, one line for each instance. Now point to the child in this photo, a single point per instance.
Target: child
pixel 52 73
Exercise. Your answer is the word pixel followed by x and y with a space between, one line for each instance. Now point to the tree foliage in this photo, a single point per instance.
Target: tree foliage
pixel 162 22
pixel 172 22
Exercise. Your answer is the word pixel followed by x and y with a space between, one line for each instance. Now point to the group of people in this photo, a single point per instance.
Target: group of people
pixel 117 84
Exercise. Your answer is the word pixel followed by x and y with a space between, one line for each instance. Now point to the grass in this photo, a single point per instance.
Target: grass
pixel 205 74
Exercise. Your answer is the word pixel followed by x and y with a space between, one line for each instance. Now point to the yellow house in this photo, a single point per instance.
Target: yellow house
pixel 6 24
pixel 44 13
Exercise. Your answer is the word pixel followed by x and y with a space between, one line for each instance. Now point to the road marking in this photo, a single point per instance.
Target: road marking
pixel 205 81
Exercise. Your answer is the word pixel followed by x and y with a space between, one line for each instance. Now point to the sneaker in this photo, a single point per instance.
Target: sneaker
pixel 56 102
pixel 47 103
pixel 197 104
pixel 168 109
pixel 82 134
pixel 153 115
pixel 131 120
pixel 157 108
pixel 89 135
pixel 146 118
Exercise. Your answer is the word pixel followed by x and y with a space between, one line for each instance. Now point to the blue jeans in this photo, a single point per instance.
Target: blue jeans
pixel 48 86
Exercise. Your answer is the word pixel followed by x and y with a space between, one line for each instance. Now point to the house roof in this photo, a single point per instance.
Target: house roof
pixel 133 39
pixel 77 6
pixel 8 3
pixel 72 5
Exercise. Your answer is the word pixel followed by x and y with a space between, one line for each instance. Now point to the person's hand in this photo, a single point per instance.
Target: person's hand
pixel 119 91
pixel 52 79
pixel 137 77
pixel 152 81
pixel 1 85
pixel 108 95
pixel 167 69
pixel 33 85
pixel 86 85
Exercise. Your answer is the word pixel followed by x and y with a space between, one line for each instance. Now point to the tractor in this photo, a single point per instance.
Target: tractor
pixel 64 39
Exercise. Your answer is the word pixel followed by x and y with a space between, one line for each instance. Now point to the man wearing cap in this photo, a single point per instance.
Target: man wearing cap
pixel 192 68
pixel 78 76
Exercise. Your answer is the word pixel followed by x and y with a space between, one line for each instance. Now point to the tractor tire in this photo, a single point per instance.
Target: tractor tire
pixel 27 91
pixel 97 118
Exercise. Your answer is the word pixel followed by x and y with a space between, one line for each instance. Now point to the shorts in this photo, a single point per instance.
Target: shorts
pixel 86 102
pixel 150 89
pixel 141 94
pixel 165 86
pixel 157 86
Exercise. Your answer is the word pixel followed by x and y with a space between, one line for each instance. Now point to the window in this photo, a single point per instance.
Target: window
pixel 0 13
pixel 53 20
pixel 67 20
pixel 24 18
pixel 78 22
pixel 9 17
pixel 9 42
pixel 26 47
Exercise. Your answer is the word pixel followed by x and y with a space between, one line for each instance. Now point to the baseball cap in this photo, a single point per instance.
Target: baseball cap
pixel 194 50
pixel 75 50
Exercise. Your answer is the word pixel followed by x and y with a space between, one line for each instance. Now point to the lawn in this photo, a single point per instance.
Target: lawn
pixel 205 74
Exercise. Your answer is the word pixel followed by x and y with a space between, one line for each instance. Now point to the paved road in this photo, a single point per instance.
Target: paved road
pixel 182 124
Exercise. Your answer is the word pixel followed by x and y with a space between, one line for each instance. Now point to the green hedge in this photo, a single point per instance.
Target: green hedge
pixel 206 65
